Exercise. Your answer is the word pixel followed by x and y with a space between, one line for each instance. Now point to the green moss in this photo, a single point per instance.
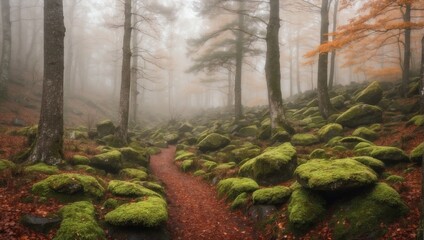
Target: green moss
pixel 416 154
pixel 224 166
pixel 370 95
pixel 85 168
pixel 365 133
pixel 305 209
pixel 241 200
pixel 271 196
pixel 111 203
pixel 340 174
pixel 369 211
pixel 362 145
pixel 153 186
pixel 232 187
pixel 361 114
pixel 109 161
pixel 63 186
pixel 153 150
pixel 334 141
pixel 79 160
pixel 338 102
pixel 149 213
pixel 6 164
pixel 318 154
pixel 184 155
pixel 393 179
pixel 131 173
pixel 249 131
pixel 246 169
pixel 388 154
pixel 417 121
pixel 351 141
pixel 129 189
pixel 199 173
pixel 187 165
pixel 171 138
pixel 304 139
pixel 131 155
pixel 41 168
pixel 280 135
pixel 79 223
pixel 213 142
pixel 330 131
pixel 105 128
pixel 243 153
pixel 209 165
pixel 373 163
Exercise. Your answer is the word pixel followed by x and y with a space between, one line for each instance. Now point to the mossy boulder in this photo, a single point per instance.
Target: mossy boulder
pixel 133 156
pixel 373 163
pixel 233 187
pixel 280 135
pixel 79 160
pixel 275 165
pixel 129 189
pixel 6 164
pixel 417 153
pixel 366 133
pixel 304 139
pixel 132 173
pixel 243 153
pixel 187 165
pixel 249 131
pixel 371 95
pixel 271 196
pixel 389 155
pixel 105 128
pixel 213 142
pixel 184 155
pixel 79 223
pixel 417 121
pixel 305 208
pixel 41 168
pixel 171 138
pixel 334 175
pixel 241 200
pixel 361 114
pixel 395 179
pixel 63 186
pixel 370 211
pixel 338 102
pixel 318 154
pixel 352 141
pixel 330 131
pixel 109 161
pixel 208 165
pixel 185 127
pixel 149 213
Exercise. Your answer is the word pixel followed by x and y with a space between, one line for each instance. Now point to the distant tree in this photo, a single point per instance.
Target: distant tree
pixel 6 48
pixel 48 147
pixel 124 103
pixel 334 51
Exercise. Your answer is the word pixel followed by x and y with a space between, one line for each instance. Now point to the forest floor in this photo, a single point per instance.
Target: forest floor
pixel 195 212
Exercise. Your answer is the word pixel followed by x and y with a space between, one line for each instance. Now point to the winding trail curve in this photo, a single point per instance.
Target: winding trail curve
pixel 195 213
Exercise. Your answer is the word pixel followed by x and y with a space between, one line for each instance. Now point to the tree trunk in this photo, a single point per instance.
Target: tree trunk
pixel 69 52
pixel 230 100
pixel 239 64
pixel 323 98
pixel 272 67
pixel 422 76
pixel 291 72
pixel 334 52
pixel 48 147
pixel 134 72
pixel 299 90
pixel 6 48
pixel 124 103
pixel 407 51
pixel 421 227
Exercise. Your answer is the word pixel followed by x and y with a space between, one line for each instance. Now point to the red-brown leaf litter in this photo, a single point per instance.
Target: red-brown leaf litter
pixel 195 212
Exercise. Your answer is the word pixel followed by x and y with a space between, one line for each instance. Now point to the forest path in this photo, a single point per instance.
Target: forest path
pixel 195 213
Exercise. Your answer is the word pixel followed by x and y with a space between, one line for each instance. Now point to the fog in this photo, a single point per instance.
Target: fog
pixel 163 39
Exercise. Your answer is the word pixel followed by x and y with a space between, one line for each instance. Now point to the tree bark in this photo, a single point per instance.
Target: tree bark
pixel 422 76
pixel 48 147
pixel 239 63
pixel 134 71
pixel 299 89
pixel 323 97
pixel 124 103
pixel 272 67
pixel 291 72
pixel 230 99
pixel 69 53
pixel 6 48
pixel 407 51
pixel 333 52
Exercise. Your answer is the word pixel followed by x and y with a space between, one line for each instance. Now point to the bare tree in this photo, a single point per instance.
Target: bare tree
pixel 6 48
pixel 48 147
pixel 333 52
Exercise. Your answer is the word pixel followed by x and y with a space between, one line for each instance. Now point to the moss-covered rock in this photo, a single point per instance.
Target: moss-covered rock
pixel 340 174
pixel 85 168
pixel 370 95
pixel 389 155
pixel 274 165
pixel 63 186
pixel 243 153
pixel 105 128
pixel 249 131
pixel 132 173
pixel 79 223
pixel 368 210
pixel 351 142
pixel 416 154
pixel 185 127
pixel 280 135
pixel 145 214
pixel 318 154
pixel 111 203
pixel 241 200
pixel 184 155
pixel 131 155
pixel 373 163
pixel 417 121
pixel 330 131
pixel 271 196
pixel 199 173
pixel 394 179
pixel 361 114
pixel 208 165
pixel 305 208
pixel 213 142
pixel 109 161
pixel 152 186
pixel 338 102
pixel 79 160
pixel 41 168
pixel 366 133
pixel 304 139
pixel 129 189
pixel 187 165
pixel 6 164
pixel 171 138
pixel 232 187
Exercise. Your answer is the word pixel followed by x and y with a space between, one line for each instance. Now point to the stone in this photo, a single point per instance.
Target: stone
pixel 361 114
pixel 213 142
pixel 105 128
pixel 371 95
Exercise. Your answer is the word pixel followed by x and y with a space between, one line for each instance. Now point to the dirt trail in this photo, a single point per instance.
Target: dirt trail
pixel 195 213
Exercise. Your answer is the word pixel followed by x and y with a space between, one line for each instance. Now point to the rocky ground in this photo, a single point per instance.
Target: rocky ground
pixel 353 176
